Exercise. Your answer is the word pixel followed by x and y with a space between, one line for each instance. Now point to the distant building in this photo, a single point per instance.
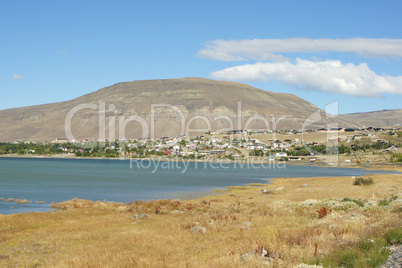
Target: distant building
pixel 294 158
pixel 337 129
pixel 393 148
pixel 281 154
pixel 60 140
pixel 176 147
pixel 218 152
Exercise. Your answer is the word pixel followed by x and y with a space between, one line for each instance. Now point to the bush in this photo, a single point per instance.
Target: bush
pixel 360 203
pixel 383 202
pixel 368 253
pixel 363 181
pixel 396 158
pixel 394 236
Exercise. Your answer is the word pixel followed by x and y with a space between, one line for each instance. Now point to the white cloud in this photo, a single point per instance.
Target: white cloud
pixel 17 77
pixel 264 49
pixel 326 76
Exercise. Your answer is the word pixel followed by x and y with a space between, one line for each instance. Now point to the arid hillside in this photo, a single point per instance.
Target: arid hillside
pixel 162 108
pixel 383 118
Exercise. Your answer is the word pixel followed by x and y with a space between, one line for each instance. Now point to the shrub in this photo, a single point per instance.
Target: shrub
pixel 383 202
pixel 368 253
pixel 393 198
pixel 358 202
pixel 394 236
pixel 363 181
pixel 396 158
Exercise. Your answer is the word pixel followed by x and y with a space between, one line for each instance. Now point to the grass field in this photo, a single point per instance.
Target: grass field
pixel 299 220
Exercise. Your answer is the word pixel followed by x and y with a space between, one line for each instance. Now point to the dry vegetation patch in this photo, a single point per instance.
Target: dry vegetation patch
pixel 303 220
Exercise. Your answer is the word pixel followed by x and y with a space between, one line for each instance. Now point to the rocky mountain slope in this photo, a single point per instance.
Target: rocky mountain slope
pixel 383 118
pixel 155 108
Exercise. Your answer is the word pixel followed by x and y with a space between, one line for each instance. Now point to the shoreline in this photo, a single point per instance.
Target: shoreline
pixel 222 229
pixel 191 195
pixel 374 166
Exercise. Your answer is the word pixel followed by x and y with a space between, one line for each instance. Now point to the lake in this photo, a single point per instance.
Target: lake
pixel 55 180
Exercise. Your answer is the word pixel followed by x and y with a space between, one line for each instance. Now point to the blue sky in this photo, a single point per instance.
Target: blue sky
pixel 322 51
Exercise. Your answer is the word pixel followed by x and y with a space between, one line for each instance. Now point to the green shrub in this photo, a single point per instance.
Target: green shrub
pixel 368 253
pixel 394 236
pixel 358 202
pixel 363 181
pixel 383 202
pixel 348 258
pixel 393 198
pixel 396 158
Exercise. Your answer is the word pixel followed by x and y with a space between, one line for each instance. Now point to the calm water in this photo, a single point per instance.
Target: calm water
pixel 55 180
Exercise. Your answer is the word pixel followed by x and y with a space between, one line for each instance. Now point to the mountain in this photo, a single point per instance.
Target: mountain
pixel 384 118
pixel 179 104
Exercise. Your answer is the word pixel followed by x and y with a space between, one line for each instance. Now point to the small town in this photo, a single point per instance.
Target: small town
pixel 353 146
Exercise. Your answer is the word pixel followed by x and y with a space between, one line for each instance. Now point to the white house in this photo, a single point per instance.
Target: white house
pixel 281 154
pixel 176 147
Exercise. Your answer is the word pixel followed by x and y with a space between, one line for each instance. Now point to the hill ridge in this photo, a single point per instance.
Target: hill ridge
pixel 197 101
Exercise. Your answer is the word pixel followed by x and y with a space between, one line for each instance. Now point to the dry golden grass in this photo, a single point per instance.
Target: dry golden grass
pixel 285 224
